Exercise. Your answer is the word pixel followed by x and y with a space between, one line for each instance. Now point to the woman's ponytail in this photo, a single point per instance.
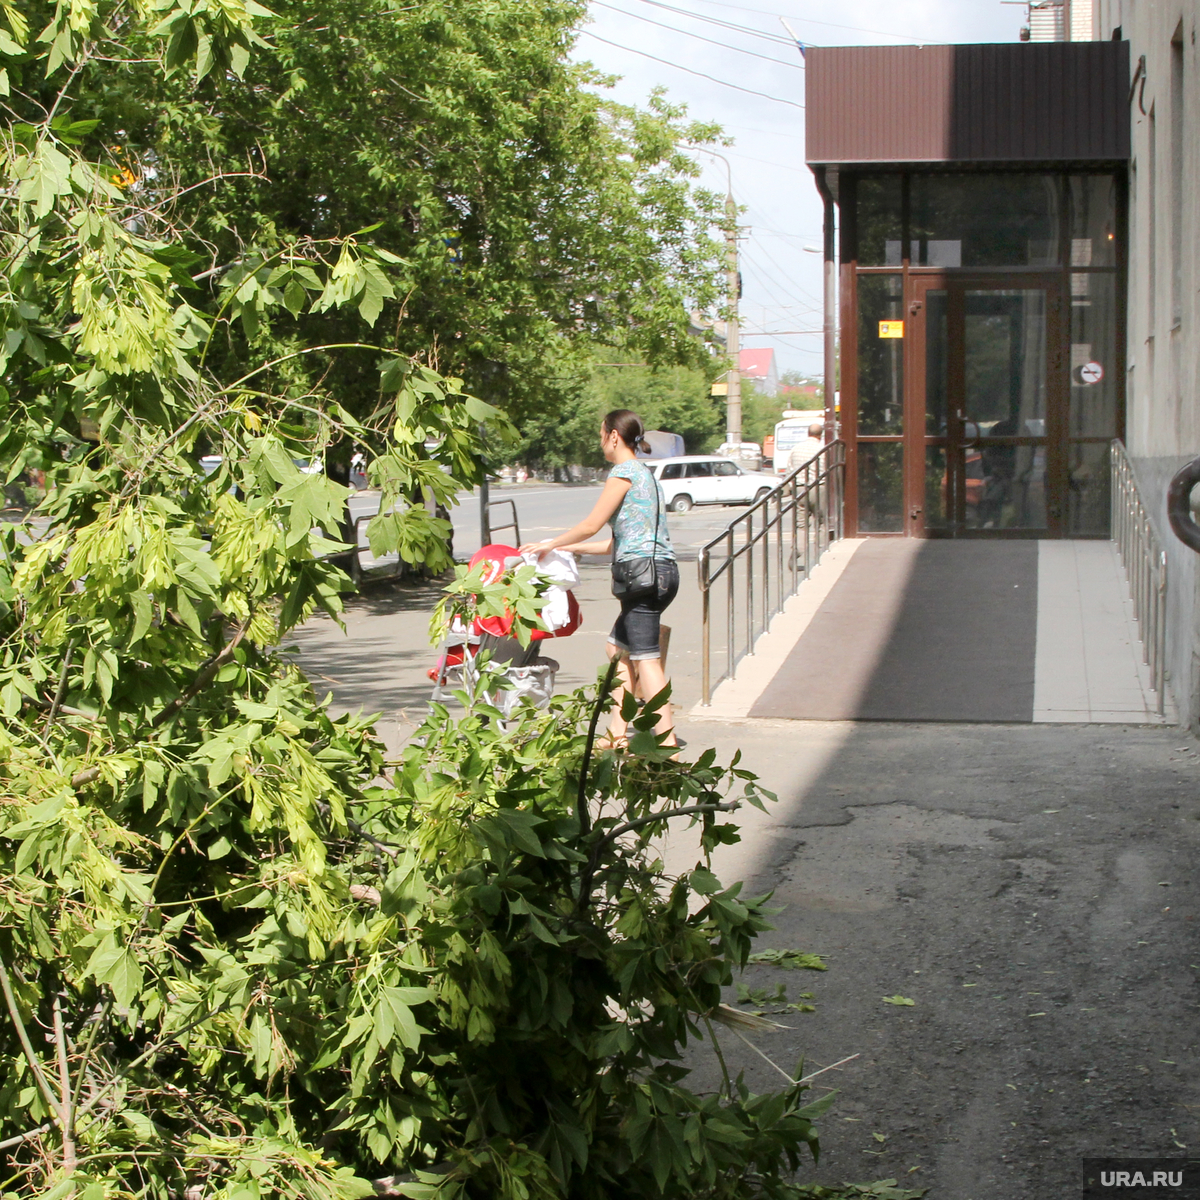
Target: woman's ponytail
pixel 629 428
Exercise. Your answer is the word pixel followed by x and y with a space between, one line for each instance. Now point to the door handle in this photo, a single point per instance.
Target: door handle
pixel 914 307
pixel 915 512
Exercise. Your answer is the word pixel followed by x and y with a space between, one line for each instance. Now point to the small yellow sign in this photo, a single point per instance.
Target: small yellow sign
pixel 720 389
pixel 891 329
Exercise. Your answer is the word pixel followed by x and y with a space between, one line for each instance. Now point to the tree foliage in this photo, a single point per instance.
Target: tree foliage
pixel 677 399
pixel 240 955
pixel 530 216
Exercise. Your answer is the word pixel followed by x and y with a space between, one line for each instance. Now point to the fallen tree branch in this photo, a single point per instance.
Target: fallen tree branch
pixel 691 810
pixel 840 1061
pixel 24 1137
pixel 23 1037
pixel 207 674
pixel 364 891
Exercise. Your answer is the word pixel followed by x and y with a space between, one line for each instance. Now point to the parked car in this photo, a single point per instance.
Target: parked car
pixel 708 479
pixel 749 454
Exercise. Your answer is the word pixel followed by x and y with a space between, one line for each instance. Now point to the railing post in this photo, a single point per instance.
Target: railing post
pixel 730 566
pixel 750 583
pixel 705 634
pixel 818 486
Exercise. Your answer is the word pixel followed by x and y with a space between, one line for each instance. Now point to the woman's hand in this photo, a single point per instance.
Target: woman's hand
pixel 606 506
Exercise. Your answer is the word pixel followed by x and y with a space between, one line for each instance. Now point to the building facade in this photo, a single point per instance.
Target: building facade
pixel 981 203
pixel 1163 354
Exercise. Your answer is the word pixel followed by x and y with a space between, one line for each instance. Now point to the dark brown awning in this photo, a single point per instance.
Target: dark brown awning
pixel 1024 103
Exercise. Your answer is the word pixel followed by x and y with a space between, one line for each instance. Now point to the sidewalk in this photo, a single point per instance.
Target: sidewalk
pixel 1030 886
pixel 908 630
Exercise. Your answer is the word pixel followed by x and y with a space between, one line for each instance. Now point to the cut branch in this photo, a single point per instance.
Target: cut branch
pixel 581 809
pixel 207 674
pixel 65 1107
pixel 61 690
pixel 691 811
pixel 25 1137
pixel 23 1037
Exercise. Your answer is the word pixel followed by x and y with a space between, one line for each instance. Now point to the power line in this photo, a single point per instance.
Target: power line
pixel 711 78
pixel 698 36
pixel 778 38
pixel 770 282
pixel 766 162
pixel 762 12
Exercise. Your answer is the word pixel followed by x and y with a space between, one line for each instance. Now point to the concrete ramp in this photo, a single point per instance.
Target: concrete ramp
pixel 971 630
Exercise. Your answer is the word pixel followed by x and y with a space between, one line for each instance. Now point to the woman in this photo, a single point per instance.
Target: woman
pixel 632 504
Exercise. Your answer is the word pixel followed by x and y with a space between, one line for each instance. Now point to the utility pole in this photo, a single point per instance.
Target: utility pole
pixel 733 402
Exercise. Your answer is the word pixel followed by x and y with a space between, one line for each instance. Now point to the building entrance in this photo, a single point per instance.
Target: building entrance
pixel 986 454
pixel 982 368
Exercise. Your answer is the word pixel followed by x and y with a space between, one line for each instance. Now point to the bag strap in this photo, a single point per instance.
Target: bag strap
pixel 657 509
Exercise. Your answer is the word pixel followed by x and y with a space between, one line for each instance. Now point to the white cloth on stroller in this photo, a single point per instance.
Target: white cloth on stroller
pixel 534 683
pixel 562 572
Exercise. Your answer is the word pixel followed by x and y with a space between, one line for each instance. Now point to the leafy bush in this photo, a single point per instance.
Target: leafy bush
pixel 266 975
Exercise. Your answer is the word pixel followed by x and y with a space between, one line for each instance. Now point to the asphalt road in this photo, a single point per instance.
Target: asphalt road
pixel 543 510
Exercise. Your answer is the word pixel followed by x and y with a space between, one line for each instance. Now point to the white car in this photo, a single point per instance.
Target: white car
pixel 709 479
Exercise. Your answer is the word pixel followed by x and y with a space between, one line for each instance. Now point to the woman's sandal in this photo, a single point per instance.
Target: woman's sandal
pixel 612 743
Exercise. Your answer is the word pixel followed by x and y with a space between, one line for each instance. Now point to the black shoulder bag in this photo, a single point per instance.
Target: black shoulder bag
pixel 636 578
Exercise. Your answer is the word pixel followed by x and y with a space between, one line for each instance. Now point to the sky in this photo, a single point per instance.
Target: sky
pixel 732 42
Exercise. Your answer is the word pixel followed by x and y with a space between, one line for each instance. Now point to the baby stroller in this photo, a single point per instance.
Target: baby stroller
pixel 528 674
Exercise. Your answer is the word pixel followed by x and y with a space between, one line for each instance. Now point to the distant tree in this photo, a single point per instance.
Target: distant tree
pixel 529 214
pixel 676 399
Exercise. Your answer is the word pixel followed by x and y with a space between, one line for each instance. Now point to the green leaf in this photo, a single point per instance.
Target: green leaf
pixel 394 1017
pixel 899 1000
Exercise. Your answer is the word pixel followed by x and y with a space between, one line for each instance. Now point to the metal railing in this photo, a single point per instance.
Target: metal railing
pixel 1145 566
pixel 364 566
pixel 489 533
pixel 773 547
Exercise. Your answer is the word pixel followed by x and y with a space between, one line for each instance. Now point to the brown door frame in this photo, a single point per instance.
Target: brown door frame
pixel 916 440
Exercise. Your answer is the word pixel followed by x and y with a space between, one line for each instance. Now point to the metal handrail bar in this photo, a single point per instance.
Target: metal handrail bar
pixel 359 572
pixel 511 524
pixel 1145 564
pixel 806 520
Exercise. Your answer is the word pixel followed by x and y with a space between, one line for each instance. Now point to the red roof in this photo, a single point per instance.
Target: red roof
pixel 756 363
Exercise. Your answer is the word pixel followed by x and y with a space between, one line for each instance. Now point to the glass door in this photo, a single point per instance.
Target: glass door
pixel 986 358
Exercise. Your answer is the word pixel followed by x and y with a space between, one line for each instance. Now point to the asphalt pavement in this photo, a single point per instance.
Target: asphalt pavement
pixel 1030 889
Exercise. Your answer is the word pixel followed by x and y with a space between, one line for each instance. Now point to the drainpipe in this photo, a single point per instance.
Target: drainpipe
pixel 830 329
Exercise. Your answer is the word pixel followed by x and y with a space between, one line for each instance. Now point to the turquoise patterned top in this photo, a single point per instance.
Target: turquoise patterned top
pixel 633 523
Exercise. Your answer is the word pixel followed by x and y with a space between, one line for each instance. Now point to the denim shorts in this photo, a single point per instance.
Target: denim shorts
pixel 637 628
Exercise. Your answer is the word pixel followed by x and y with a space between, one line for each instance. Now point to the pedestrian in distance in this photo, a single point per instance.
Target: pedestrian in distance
pixel 809 447
pixel 645 570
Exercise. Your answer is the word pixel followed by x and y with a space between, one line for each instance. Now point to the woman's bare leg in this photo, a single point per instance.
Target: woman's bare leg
pixel 651 679
pixel 617 725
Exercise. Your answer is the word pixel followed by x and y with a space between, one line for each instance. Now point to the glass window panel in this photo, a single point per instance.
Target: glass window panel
pixel 880 359
pixel 1005 360
pixel 725 468
pixel 880 487
pixel 878 211
pixel 935 363
pixel 1093 215
pixel 1094 375
pixel 700 470
pixel 985 220
pixel 938 499
pixel 1005 487
pixel 1088 494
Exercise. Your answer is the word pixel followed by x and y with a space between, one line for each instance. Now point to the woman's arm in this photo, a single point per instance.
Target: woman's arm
pixel 604 547
pixel 606 506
